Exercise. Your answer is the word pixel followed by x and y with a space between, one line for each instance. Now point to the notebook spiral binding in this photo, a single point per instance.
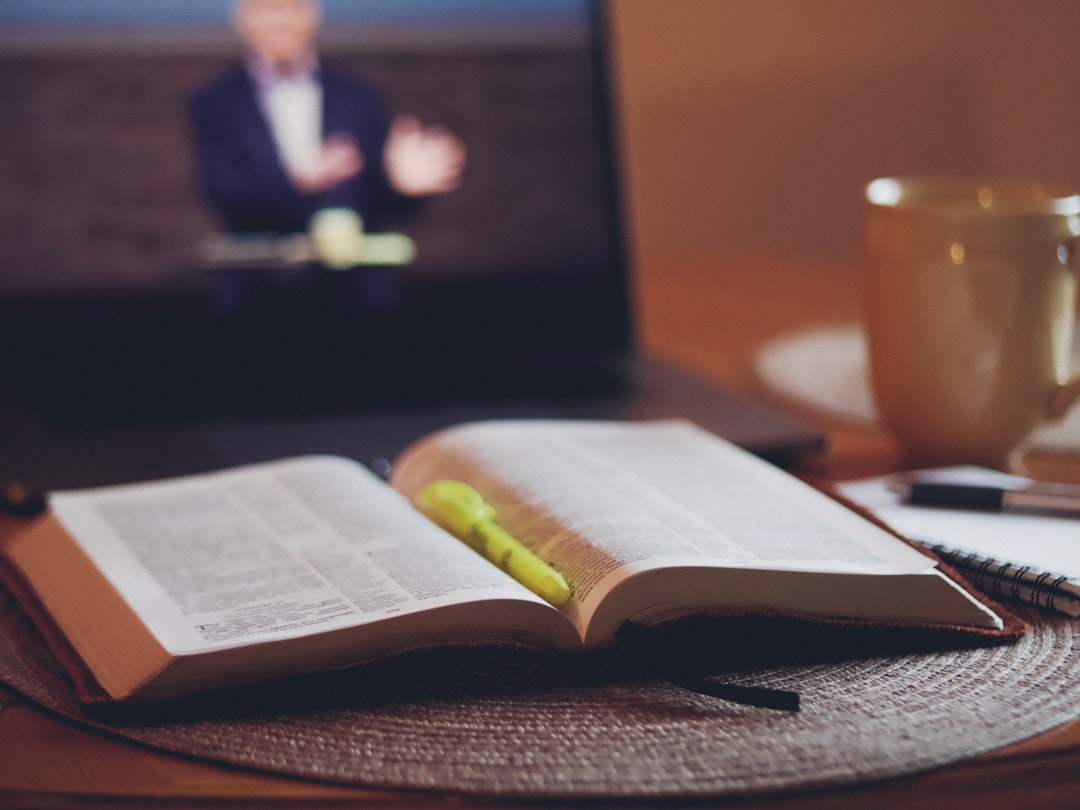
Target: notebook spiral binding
pixel 1018 583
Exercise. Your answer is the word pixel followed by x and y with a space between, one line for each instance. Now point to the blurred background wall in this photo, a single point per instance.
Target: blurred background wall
pixel 751 125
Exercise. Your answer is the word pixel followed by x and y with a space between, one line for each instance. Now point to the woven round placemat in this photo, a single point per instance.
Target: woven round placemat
pixel 824 370
pixel 520 725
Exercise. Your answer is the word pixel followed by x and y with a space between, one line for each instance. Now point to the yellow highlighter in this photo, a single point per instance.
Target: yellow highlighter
pixel 460 509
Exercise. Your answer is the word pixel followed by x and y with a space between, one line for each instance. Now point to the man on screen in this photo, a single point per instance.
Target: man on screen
pixel 285 135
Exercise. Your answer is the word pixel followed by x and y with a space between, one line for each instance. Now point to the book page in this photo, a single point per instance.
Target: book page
pixel 603 501
pixel 272 551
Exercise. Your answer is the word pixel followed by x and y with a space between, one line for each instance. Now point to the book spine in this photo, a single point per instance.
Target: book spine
pixel 1019 583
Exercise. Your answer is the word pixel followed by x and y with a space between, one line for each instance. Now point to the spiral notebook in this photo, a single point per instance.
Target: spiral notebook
pixel 1031 558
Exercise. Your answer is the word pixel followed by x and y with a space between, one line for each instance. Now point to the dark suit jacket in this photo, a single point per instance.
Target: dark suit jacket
pixel 245 181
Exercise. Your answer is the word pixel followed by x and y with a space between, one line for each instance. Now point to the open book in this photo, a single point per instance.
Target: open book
pixel 169 587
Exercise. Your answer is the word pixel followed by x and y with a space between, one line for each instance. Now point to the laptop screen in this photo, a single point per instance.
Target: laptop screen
pixel 226 204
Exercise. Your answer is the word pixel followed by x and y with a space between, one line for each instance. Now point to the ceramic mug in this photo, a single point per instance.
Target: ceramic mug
pixel 970 307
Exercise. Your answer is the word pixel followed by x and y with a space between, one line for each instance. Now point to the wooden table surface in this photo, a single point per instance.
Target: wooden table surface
pixel 710 316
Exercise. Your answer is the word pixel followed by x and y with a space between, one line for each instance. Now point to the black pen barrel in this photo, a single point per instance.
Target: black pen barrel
pixel 959 496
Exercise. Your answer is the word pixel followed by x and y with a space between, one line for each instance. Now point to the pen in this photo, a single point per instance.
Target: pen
pixel 461 510
pixel 1061 499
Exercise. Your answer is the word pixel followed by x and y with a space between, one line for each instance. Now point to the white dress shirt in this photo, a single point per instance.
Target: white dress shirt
pixel 292 103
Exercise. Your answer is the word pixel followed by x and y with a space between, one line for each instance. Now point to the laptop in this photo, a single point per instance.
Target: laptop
pixel 147 334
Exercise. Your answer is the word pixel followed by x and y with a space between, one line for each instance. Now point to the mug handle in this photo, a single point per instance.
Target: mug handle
pixel 1062 398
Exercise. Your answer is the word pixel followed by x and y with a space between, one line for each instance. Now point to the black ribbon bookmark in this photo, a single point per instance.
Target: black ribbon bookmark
pixel 634 638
